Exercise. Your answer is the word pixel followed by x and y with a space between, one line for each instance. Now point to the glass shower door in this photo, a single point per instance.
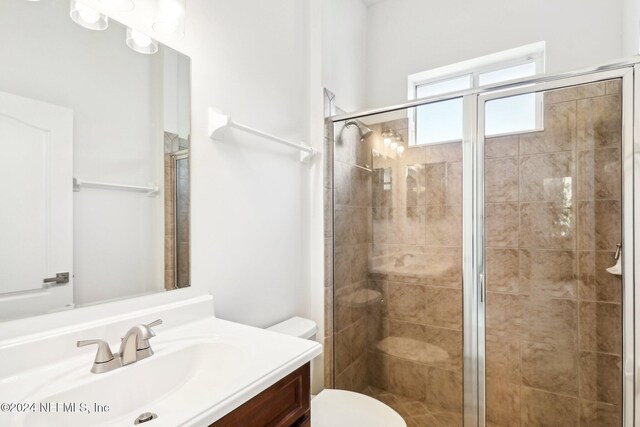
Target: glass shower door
pixel 474 279
pixel 552 219
pixel 397 265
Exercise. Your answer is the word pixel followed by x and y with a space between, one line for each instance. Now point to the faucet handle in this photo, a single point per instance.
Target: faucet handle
pixel 154 323
pixel 104 353
pixel 148 332
pixel 143 348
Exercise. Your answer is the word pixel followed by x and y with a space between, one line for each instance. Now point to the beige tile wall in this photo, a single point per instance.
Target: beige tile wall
pixel 352 240
pixel 175 211
pixel 416 263
pixel 393 304
pixel 397 312
pixel 552 224
pixel 170 140
pixel 183 234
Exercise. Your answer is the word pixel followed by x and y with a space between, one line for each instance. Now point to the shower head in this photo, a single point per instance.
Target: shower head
pixel 362 129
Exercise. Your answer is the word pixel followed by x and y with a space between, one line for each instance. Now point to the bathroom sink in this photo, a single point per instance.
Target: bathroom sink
pixel 200 371
pixel 155 384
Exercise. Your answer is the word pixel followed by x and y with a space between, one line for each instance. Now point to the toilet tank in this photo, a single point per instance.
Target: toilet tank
pixel 297 327
pixel 306 329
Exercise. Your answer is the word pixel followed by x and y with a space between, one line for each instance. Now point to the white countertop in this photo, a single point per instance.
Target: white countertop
pixel 208 367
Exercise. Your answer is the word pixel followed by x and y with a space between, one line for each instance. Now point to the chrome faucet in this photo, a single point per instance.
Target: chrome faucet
pixel 134 346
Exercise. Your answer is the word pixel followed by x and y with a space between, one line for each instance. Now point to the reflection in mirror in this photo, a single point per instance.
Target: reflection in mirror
pixel 400 271
pixel 176 181
pixel 95 192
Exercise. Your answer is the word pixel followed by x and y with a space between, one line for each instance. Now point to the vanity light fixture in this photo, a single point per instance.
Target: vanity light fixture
pixel 119 5
pixel 87 17
pixel 169 16
pixel 397 144
pixel 387 135
pixel 140 42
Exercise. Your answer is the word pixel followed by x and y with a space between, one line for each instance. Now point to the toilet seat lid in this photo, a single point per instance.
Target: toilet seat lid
pixel 341 408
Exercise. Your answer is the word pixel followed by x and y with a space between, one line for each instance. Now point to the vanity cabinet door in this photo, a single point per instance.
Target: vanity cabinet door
pixel 284 404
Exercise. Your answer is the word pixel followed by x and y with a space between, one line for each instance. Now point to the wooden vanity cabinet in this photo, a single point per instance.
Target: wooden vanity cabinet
pixel 285 404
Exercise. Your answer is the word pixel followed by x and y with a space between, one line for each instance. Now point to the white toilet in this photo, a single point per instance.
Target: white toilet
pixel 340 408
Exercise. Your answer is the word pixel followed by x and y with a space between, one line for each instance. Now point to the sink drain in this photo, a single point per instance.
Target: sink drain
pixel 143 418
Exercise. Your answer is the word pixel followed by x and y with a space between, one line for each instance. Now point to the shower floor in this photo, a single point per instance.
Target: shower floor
pixel 415 413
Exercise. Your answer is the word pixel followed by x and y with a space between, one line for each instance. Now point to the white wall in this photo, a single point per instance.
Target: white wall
pixel 250 199
pixel 344 48
pixel 409 36
pixel 177 93
pixel 113 94
pixel 631 14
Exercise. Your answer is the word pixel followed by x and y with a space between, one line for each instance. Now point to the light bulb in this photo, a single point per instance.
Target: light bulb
pixel 170 8
pixel 400 149
pixel 388 136
pixel 170 13
pixel 393 145
pixel 87 17
pixel 140 42
pixel 140 39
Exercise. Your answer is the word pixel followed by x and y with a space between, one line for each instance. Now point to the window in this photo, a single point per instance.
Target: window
pixel 443 121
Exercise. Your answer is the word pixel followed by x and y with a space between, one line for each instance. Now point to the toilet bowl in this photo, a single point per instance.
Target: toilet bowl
pixel 340 408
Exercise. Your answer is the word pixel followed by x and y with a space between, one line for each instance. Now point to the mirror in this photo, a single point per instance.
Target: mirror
pixel 94 180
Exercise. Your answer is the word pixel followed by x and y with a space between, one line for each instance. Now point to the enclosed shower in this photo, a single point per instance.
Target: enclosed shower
pixel 468 280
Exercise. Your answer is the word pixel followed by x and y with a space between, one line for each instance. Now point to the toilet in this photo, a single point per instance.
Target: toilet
pixel 340 408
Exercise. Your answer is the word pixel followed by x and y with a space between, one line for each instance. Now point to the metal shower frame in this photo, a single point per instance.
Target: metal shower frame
pixel 474 309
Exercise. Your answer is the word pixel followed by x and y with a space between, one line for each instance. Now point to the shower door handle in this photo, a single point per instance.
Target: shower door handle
pixel 481 287
pixel 60 279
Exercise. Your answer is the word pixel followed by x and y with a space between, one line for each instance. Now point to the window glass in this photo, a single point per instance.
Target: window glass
pixel 439 122
pixel 443 121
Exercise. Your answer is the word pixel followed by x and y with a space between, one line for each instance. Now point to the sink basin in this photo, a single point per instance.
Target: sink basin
pixel 153 384
pixel 203 368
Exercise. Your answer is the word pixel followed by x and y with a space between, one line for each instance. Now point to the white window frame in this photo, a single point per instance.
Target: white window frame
pixel 531 53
